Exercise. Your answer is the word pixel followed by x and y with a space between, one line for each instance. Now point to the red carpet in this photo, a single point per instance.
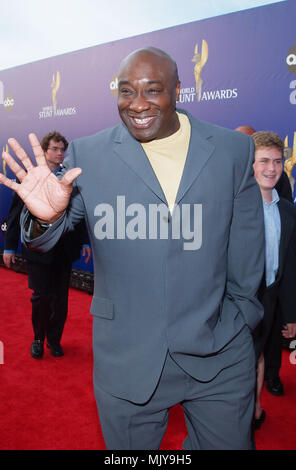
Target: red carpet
pixel 48 404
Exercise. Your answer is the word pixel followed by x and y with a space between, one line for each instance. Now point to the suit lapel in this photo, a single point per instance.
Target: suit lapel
pixel 133 155
pixel 200 150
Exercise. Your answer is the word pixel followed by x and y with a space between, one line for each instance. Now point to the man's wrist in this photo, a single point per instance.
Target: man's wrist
pixel 48 222
pixel 38 229
pixel 43 224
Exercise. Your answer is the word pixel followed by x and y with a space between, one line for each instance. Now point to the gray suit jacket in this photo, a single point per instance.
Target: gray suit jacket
pixel 151 293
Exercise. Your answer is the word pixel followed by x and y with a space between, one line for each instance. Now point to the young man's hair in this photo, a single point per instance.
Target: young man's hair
pixel 268 139
pixel 56 136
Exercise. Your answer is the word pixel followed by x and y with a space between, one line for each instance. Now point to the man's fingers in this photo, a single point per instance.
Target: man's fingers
pixel 9 183
pixel 19 172
pixel 20 153
pixel 37 149
pixel 70 176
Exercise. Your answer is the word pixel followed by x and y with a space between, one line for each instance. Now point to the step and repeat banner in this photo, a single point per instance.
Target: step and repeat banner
pixel 235 69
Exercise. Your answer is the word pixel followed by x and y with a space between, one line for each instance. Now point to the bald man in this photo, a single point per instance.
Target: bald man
pixel 176 222
pixel 245 130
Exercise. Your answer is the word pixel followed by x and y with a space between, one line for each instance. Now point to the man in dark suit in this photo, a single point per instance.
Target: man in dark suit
pixel 48 273
pixel 176 221
pixel 279 284
pixel 272 353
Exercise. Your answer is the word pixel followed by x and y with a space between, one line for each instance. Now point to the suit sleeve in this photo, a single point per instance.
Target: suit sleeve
pixel 246 249
pixel 82 233
pixel 287 287
pixel 13 230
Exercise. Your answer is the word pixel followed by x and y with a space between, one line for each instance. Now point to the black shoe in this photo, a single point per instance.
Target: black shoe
pixel 275 386
pixel 56 350
pixel 257 422
pixel 37 349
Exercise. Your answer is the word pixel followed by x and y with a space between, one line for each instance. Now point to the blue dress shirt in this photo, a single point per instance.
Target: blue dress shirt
pixel 272 223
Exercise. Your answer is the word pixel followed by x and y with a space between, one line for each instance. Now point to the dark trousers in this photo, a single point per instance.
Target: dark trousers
pixel 50 285
pixel 268 334
pixel 273 347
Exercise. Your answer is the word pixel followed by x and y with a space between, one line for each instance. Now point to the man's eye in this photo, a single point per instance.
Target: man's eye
pixel 154 91
pixel 125 91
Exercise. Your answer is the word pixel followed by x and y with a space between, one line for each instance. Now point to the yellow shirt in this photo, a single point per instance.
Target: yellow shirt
pixel 168 156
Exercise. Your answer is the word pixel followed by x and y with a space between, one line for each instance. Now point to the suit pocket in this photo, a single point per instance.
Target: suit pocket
pixel 103 308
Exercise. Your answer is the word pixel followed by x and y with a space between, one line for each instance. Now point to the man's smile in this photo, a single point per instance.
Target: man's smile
pixel 142 123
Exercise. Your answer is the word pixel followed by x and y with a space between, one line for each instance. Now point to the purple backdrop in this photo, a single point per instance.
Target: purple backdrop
pixel 248 77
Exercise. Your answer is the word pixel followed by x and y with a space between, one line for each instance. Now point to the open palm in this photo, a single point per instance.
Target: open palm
pixel 43 193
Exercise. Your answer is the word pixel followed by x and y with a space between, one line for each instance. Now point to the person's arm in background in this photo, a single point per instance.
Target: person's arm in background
pixel 287 288
pixel 12 234
pixel 86 250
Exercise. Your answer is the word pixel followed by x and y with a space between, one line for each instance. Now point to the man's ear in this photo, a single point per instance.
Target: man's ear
pixel 178 87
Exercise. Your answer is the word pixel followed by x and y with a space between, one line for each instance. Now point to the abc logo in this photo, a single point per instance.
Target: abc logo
pixel 291 60
pixel 114 85
pixel 3 226
pixel 8 103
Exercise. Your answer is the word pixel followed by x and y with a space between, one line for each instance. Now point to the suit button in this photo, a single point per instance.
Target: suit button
pixel 166 219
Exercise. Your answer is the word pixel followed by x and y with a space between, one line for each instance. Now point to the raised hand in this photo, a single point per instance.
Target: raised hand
pixel 43 193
